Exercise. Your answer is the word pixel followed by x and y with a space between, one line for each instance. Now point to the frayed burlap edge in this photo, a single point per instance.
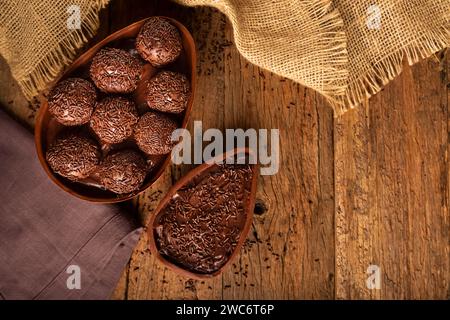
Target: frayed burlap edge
pixel 384 71
pixel 62 55
pixel 333 30
pixel 341 94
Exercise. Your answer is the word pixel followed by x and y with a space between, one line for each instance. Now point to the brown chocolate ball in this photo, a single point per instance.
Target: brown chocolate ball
pixel 123 171
pixel 168 92
pixel 115 71
pixel 113 119
pixel 159 42
pixel 73 155
pixel 72 101
pixel 153 133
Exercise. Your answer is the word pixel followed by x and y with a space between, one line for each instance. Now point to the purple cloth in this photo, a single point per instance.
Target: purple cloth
pixel 44 230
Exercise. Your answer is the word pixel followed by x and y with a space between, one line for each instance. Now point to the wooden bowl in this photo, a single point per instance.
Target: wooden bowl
pixel 47 127
pixel 202 169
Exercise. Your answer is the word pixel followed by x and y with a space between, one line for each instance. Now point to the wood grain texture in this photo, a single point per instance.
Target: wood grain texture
pixel 392 184
pixel 12 99
pixel 235 94
pixel 371 187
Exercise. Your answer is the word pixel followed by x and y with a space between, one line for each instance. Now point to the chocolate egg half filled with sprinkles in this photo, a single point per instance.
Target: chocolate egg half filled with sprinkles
pixel 72 101
pixel 113 119
pixel 153 133
pixel 159 42
pixel 168 92
pixel 73 155
pixel 123 171
pixel 201 226
pixel 115 71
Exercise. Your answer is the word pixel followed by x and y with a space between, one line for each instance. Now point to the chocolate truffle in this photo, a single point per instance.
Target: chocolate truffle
pixel 115 71
pixel 159 42
pixel 123 171
pixel 73 155
pixel 168 92
pixel 153 133
pixel 200 227
pixel 113 119
pixel 72 101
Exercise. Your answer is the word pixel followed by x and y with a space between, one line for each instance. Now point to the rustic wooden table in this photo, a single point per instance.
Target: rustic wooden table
pixel 369 188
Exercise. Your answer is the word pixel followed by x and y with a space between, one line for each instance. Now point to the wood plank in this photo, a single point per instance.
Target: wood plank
pixel 392 184
pixel 289 253
pixel 12 99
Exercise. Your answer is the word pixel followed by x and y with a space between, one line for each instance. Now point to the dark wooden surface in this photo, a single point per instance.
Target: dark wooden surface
pixel 371 187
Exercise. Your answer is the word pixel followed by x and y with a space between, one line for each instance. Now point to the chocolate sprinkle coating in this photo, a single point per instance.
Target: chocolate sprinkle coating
pixel 153 133
pixel 73 155
pixel 168 92
pixel 123 171
pixel 159 42
pixel 113 119
pixel 115 70
pixel 72 101
pixel 200 227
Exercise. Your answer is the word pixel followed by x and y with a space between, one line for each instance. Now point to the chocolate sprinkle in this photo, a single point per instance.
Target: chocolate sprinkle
pixel 168 92
pixel 115 71
pixel 123 171
pixel 113 119
pixel 159 42
pixel 153 133
pixel 72 101
pixel 201 225
pixel 73 155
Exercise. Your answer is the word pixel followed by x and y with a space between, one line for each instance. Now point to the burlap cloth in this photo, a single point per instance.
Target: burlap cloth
pixel 36 41
pixel 345 49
